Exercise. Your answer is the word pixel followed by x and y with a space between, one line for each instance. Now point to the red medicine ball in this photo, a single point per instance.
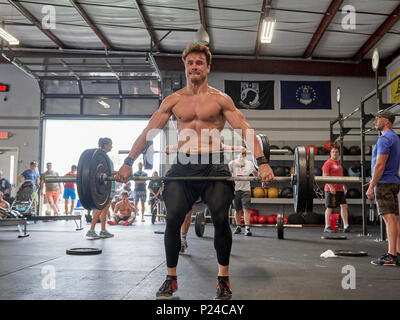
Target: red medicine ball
pixel 312 146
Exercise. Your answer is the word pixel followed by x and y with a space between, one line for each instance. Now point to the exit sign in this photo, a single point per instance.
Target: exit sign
pixel 4 87
pixel 3 135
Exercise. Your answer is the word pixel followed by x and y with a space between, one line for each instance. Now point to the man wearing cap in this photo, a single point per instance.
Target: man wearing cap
pixel 53 190
pixel 385 184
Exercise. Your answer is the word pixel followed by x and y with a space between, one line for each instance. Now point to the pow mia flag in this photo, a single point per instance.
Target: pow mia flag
pixel 256 95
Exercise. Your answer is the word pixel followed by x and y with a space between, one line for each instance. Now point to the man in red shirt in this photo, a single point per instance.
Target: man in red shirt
pixel 335 194
pixel 69 190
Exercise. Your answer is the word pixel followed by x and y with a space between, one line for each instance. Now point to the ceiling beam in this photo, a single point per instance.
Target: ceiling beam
pixel 91 24
pixel 266 8
pixel 146 22
pixel 326 20
pixel 37 23
pixel 202 12
pixel 378 34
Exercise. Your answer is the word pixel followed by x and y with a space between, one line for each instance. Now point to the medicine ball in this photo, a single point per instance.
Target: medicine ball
pixel 270 219
pixel 273 193
pixel 253 212
pixel 317 171
pixel 353 193
pixel 311 218
pixel 262 219
pixel 289 148
pixel 287 192
pixel 312 146
pixel 253 220
pixel 285 220
pixel 322 151
pixel 355 171
pixel 327 145
pixel 354 150
pixel 279 171
pixel 296 218
pixel 258 192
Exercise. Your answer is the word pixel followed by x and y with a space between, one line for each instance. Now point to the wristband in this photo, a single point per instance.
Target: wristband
pixel 262 160
pixel 129 161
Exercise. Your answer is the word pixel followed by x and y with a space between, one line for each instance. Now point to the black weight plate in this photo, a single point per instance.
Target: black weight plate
pixel 83 179
pixel 300 187
pixel 310 182
pixel 83 251
pixel 350 253
pixel 199 223
pixel 100 190
pixel 279 226
pixel 333 237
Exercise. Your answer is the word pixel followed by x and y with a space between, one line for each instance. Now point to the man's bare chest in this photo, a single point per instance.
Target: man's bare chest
pixel 191 109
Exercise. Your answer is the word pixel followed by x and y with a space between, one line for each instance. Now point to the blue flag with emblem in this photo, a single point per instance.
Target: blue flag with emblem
pixel 306 95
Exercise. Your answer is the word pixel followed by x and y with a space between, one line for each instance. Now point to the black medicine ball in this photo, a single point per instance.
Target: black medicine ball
pixel 353 193
pixel 354 150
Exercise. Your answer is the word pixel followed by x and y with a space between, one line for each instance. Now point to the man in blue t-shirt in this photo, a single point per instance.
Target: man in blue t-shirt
pixel 385 184
pixel 30 174
pixel 140 189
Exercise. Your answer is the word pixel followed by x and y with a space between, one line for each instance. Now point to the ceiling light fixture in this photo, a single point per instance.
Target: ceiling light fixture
pixel 12 41
pixel 104 104
pixel 267 30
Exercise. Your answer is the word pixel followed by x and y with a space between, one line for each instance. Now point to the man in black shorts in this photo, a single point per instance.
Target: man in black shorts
pixel 201 113
pixel 335 194
pixel 385 185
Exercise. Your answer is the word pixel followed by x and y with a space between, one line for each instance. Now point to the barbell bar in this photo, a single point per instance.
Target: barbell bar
pixel 94 179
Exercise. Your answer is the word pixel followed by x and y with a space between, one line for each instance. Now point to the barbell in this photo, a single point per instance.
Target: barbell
pixel 94 178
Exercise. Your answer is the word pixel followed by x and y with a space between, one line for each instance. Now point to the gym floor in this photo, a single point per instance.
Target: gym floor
pixel 132 265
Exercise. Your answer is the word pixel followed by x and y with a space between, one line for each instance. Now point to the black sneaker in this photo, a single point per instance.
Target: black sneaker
pixel 385 260
pixel 167 289
pixel 247 232
pixel 347 229
pixel 329 229
pixel 237 230
pixel 223 290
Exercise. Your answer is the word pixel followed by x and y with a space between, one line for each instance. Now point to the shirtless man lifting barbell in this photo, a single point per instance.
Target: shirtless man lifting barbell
pixel 201 113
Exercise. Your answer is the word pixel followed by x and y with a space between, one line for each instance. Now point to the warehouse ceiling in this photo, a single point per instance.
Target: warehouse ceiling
pixel 323 31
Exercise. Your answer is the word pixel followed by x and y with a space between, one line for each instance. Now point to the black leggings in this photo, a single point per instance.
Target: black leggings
pixel 179 198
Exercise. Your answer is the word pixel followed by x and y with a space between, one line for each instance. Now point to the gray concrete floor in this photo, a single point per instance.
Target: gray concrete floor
pixel 132 265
